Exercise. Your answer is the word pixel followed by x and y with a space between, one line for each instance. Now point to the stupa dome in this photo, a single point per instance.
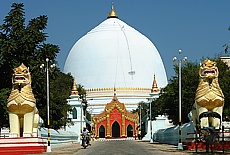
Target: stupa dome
pixel 113 54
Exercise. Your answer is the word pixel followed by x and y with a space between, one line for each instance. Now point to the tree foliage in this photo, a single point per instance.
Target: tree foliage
pixel 4 93
pixel 224 76
pixel 21 43
pixel 169 97
pixel 142 108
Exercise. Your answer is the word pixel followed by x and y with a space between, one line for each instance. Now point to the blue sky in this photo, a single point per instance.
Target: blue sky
pixel 199 28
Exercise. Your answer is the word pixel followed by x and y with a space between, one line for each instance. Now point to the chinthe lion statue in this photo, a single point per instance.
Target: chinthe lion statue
pixel 21 105
pixel 209 100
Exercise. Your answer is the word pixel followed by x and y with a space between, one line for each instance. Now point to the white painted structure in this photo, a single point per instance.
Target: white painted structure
pixel 160 122
pixel 76 115
pixel 115 55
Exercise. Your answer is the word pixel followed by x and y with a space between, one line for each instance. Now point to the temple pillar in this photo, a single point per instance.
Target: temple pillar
pixel 123 126
pixel 108 128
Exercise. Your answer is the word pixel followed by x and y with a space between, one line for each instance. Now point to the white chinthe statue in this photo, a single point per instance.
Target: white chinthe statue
pixel 209 100
pixel 21 105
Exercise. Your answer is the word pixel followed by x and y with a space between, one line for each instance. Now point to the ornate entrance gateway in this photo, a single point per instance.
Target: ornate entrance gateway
pixel 115 121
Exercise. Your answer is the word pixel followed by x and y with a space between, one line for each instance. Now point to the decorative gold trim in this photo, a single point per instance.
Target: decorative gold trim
pixel 118 89
pixel 125 115
pixel 108 125
pixel 123 125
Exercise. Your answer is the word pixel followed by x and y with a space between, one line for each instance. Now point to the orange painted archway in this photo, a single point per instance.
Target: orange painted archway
pixel 116 121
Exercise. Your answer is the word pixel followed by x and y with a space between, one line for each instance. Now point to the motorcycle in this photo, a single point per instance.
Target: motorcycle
pixel 84 141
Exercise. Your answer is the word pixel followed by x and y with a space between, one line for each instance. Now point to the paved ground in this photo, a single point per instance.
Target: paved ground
pixel 128 147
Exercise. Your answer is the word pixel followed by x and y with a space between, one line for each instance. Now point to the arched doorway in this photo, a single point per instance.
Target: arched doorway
pixel 102 132
pixel 115 129
pixel 129 131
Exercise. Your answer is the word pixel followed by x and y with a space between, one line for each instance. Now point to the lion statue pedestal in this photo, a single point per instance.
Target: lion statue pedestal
pixel 21 105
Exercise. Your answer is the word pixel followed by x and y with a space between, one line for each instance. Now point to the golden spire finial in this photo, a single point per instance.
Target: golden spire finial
pixel 74 88
pixel 112 13
pixel 154 86
pixel 115 95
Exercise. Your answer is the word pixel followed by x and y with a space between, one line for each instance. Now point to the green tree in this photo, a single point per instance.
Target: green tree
pixel 21 43
pixel 82 96
pixel 143 107
pixel 60 91
pixel 224 76
pixel 169 100
pixel 4 93
pixel 156 109
pixel 224 82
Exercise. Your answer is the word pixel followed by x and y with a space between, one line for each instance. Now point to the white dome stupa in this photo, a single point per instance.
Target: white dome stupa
pixel 115 55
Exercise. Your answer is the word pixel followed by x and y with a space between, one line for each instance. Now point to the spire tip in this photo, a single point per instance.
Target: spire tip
pixel 112 13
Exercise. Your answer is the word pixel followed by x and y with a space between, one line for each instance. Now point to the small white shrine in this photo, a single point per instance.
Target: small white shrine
pixel 160 121
pixel 76 116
